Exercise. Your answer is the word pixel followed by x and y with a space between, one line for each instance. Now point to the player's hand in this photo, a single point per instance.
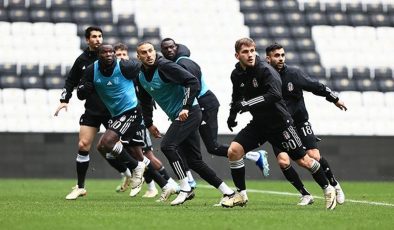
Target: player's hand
pixel 60 107
pixel 183 115
pixel 241 106
pixel 154 131
pixel 231 123
pixel 341 105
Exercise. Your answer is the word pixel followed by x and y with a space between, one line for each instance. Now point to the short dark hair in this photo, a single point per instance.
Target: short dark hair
pixel 101 46
pixel 243 41
pixel 90 29
pixel 272 47
pixel 143 43
pixel 166 40
pixel 120 46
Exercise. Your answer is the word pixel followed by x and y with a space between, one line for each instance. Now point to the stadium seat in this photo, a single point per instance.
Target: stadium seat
pixel 273 19
pixel 252 18
pixel 333 7
pixel 386 85
pixel 13 96
pixel 293 58
pixel 12 4
pixel 101 5
pixel 305 44
pixel 130 41
pixel 128 30
pixel 30 69
pixel 258 32
pixel 373 99
pixel 366 85
pixel 3 15
pixel 287 43
pixel 269 6
pixel 295 19
pixel 378 20
pixel 40 15
pixel 339 72
pixel 82 16
pixel 60 5
pixel 381 73
pixel 374 7
pixel 38 4
pixel 10 81
pixel 337 18
pixel 32 82
pixel 354 7
pixel 102 17
pixel 60 15
pixel 54 81
pixel 311 6
pixel 246 6
pixel 309 58
pixel 52 68
pixel 261 44
pixel 279 32
pixel 300 32
pixel 80 4
pixel 358 19
pixel 316 71
pixel 361 73
pixel 126 19
pixel 316 18
pixel 43 29
pixel 345 84
pixel 151 32
pixel 289 6
pixel 8 68
pixel 18 15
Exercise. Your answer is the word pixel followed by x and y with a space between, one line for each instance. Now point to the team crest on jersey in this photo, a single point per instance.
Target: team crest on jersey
pixel 255 83
pixel 286 135
pixel 290 86
pixel 123 118
pixel 242 85
pixel 98 81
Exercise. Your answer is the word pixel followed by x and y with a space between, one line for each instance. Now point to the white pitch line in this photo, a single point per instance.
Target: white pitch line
pixel 297 194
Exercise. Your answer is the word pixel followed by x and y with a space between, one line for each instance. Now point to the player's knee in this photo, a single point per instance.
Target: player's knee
pixel 84 145
pixel 170 151
pixel 283 160
pixel 234 153
pixel 105 145
pixel 314 153
pixel 305 162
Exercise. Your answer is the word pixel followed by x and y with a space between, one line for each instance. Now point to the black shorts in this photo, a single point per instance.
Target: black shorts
pixel 94 120
pixel 287 139
pixel 308 138
pixel 141 138
pixel 127 124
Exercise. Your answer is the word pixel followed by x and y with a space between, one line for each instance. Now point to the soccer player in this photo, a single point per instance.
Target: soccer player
pixel 294 81
pixel 209 104
pixel 121 52
pixel 175 90
pixel 95 113
pixel 257 89
pixel 112 80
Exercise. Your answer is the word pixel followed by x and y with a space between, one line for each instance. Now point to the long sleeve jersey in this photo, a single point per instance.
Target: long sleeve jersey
pixel 294 81
pixel 208 100
pixel 114 84
pixel 260 88
pixel 165 75
pixel 93 104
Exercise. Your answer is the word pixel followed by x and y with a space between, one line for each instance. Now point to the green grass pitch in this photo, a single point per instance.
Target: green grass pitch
pixel 41 204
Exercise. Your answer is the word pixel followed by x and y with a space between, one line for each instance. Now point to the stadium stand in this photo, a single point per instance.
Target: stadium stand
pixel 344 44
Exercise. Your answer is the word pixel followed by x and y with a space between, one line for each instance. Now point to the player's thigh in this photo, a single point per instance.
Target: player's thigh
pixel 250 137
pixel 307 135
pixel 288 141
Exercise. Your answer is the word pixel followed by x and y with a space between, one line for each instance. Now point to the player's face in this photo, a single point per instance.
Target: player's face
pixel 146 53
pixel 122 54
pixel 246 56
pixel 106 54
pixel 277 58
pixel 169 49
pixel 95 39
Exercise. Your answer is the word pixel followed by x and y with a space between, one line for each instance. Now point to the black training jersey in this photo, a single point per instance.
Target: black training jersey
pixel 294 81
pixel 93 104
pixel 260 88
pixel 208 101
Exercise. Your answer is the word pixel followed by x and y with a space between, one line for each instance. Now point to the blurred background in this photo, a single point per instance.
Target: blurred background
pixel 347 45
